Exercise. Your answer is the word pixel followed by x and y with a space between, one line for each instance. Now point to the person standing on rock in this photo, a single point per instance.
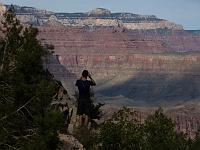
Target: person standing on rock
pixel 84 102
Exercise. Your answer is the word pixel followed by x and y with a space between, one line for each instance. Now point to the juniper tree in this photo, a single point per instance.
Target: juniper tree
pixel 123 131
pixel 160 133
pixel 27 120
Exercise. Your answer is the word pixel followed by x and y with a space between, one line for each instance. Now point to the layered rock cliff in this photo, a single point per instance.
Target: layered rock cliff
pixel 98 17
pixel 163 55
pixel 141 68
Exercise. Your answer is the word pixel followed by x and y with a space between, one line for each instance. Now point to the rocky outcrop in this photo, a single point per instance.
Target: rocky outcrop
pixel 67 106
pixel 98 17
pixel 99 11
pixel 70 142
pixel 2 10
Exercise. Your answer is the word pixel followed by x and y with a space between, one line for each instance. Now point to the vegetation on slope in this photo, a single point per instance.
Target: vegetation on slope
pixel 27 120
pixel 126 131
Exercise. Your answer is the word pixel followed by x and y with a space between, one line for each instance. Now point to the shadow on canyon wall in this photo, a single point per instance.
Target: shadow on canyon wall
pixel 158 90
pixel 61 73
pixel 140 90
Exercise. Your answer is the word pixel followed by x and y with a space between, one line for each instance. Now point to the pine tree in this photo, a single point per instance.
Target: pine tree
pixel 27 120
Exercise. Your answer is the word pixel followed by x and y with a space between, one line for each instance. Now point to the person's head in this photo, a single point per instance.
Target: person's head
pixel 85 73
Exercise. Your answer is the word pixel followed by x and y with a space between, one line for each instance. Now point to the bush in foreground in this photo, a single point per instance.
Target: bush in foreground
pixel 124 131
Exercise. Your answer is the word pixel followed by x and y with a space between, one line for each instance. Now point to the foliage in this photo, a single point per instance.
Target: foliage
pixel 160 133
pixel 84 135
pixel 124 131
pixel 194 144
pixel 95 112
pixel 27 120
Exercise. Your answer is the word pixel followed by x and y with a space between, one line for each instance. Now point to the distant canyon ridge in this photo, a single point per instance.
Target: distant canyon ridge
pixel 98 17
pixel 144 60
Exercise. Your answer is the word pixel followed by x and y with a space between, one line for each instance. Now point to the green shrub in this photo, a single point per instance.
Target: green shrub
pixel 124 131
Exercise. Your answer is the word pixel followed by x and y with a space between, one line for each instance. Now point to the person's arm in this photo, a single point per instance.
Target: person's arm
pixel 89 75
pixel 76 83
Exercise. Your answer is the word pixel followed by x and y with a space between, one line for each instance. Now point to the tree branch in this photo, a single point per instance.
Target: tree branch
pixel 3 118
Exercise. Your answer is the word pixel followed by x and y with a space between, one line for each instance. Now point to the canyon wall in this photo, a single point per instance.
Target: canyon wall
pixel 120 52
pixel 98 17
pixel 177 40
pixel 128 63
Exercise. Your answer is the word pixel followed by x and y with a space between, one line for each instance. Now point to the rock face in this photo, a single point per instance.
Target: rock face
pixel 2 10
pixel 140 67
pixel 177 40
pixel 96 18
pixel 78 40
pixel 70 143
pixel 67 105
pixel 99 11
pixel 124 53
